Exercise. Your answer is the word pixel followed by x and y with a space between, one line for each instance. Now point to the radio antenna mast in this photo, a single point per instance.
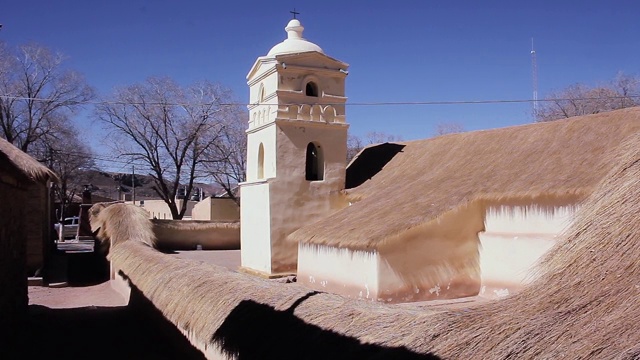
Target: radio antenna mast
pixel 534 75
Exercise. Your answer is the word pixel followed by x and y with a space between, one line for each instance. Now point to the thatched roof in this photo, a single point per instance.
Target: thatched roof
pixel 583 305
pixel 24 163
pixel 116 222
pixel 427 178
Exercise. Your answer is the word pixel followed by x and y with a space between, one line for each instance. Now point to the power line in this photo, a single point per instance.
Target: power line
pixel 382 103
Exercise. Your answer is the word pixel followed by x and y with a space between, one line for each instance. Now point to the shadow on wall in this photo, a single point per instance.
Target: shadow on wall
pixel 258 331
pixel 369 162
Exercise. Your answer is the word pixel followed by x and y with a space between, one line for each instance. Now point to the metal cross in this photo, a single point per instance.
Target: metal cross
pixel 294 12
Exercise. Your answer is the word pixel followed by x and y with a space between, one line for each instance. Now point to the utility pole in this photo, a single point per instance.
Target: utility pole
pixel 133 184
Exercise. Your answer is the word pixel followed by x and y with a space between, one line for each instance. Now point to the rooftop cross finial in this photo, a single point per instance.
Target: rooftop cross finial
pixel 294 12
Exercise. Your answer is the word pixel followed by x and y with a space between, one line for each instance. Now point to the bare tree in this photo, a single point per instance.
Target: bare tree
pixel 355 143
pixel 628 89
pixel 70 158
pixel 445 128
pixel 580 99
pixel 167 128
pixel 226 161
pixel 37 95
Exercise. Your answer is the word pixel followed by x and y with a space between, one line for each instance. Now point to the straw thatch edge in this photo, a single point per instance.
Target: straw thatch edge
pixel 574 196
pixel 29 166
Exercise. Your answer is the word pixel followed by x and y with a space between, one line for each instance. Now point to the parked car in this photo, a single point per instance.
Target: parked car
pixel 68 228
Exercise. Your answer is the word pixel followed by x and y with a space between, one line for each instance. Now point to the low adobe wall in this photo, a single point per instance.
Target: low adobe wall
pixel 226 314
pixel 188 234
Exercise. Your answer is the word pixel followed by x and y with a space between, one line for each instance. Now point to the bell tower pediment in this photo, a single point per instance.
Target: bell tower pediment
pixel 311 60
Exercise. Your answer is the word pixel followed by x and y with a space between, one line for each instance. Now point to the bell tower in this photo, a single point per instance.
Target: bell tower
pixel 296 149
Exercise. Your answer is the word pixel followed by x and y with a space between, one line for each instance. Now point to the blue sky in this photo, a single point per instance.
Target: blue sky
pixel 403 51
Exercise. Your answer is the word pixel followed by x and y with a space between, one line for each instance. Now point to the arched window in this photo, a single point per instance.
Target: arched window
pixel 314 169
pixel 261 94
pixel 261 161
pixel 311 89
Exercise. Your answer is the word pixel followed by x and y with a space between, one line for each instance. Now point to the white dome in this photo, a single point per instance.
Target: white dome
pixel 294 43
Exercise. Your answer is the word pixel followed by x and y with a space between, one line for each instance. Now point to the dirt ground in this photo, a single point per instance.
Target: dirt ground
pixel 226 258
pixel 92 321
pixel 76 297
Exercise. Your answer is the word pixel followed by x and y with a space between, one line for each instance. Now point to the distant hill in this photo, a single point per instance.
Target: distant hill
pixel 110 185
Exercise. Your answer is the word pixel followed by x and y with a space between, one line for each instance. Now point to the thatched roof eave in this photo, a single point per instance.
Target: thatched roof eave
pixel 27 165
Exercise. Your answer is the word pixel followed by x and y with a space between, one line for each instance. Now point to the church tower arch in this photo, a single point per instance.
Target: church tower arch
pixel 311 89
pixel 261 161
pixel 314 163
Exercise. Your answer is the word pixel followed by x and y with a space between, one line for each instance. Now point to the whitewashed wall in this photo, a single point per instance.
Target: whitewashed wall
pixel 255 234
pixel 343 271
pixel 514 240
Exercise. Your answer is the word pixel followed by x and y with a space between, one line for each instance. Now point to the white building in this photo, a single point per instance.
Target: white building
pixel 296 149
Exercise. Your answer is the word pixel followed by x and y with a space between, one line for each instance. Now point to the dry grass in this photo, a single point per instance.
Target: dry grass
pixel 428 178
pixel 25 163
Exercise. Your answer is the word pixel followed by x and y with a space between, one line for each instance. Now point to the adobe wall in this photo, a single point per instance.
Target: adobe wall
pixel 295 201
pixel 13 275
pixel 481 249
pixel 436 260
pixel 188 234
pixel 158 209
pixel 36 225
pixel 346 272
pixel 216 209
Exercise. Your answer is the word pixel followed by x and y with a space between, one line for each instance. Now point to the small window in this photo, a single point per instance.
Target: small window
pixel 261 162
pixel 261 94
pixel 311 89
pixel 314 169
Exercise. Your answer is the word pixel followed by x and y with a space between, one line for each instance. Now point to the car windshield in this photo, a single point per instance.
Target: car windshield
pixel 69 221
